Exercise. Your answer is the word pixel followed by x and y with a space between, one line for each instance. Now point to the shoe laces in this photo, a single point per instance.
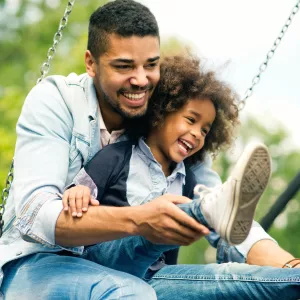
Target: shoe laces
pixel 208 194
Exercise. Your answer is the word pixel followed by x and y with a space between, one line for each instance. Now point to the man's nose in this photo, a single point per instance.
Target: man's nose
pixel 139 78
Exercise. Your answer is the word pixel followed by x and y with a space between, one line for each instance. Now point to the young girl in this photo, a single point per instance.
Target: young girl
pixel 191 115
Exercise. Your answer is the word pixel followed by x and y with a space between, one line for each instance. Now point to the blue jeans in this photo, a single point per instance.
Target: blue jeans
pixel 230 280
pixel 94 275
pixel 52 276
pixel 134 255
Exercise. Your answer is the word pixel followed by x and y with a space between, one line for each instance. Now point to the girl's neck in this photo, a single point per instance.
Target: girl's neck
pixel 166 164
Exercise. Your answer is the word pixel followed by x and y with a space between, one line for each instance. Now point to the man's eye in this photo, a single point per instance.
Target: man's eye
pixel 122 67
pixel 152 65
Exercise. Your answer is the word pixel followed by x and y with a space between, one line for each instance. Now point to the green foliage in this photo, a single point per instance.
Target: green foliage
pixel 24 44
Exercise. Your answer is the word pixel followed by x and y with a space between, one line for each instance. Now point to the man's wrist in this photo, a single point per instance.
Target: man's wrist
pixel 133 217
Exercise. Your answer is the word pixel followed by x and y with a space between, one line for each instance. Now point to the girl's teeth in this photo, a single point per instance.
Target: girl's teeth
pixel 187 144
pixel 181 147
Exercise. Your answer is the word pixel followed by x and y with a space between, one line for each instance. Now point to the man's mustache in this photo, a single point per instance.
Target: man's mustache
pixel 135 89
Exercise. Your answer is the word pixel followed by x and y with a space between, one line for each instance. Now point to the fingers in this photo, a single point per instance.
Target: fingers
pixel 190 233
pixel 79 202
pixel 181 235
pixel 72 201
pixel 164 222
pixel 185 221
pixel 76 199
pixel 94 202
pixel 187 234
pixel 179 216
pixel 65 200
pixel 86 198
pixel 176 199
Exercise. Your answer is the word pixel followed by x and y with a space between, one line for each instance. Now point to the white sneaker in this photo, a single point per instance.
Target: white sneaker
pixel 229 208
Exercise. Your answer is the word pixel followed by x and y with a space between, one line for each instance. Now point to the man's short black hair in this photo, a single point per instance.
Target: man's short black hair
pixel 122 17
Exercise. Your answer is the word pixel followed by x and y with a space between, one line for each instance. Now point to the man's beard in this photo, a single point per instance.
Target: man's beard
pixel 126 114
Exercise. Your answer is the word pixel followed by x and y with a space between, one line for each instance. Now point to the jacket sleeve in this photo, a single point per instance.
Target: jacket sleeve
pixel 107 169
pixel 204 174
pixel 44 132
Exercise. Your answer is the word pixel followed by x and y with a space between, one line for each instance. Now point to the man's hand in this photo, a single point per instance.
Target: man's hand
pixel 162 222
pixel 78 198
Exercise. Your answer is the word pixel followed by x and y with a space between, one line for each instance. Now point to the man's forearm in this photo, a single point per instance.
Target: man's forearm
pixel 268 253
pixel 160 221
pixel 98 224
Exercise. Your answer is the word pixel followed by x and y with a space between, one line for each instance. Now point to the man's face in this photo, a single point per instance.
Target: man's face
pixel 126 74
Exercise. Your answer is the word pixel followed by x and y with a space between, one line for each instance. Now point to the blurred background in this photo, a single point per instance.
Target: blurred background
pixel 232 37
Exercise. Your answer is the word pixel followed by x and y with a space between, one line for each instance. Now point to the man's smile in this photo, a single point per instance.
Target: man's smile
pixel 134 96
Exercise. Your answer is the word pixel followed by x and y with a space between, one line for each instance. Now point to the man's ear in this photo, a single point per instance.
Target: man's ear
pixel 90 63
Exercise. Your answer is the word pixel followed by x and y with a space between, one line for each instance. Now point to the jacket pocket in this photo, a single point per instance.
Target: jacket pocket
pixel 79 148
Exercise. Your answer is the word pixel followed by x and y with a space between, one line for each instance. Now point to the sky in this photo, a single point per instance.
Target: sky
pixel 234 37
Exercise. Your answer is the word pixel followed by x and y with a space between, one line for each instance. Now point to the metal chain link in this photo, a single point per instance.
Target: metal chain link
pixel 44 71
pixel 56 39
pixel 270 54
pixel 5 194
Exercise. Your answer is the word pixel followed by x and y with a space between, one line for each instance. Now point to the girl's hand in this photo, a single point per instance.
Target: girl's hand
pixel 77 199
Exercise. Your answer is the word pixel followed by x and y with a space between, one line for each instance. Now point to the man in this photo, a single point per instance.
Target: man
pixel 64 122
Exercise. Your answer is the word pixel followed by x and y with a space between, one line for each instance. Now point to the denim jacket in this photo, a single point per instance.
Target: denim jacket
pixel 59 124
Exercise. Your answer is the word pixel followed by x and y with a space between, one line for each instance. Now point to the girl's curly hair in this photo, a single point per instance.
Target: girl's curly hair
pixel 183 79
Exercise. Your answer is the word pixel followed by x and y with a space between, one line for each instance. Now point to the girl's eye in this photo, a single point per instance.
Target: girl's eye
pixel 191 120
pixel 204 132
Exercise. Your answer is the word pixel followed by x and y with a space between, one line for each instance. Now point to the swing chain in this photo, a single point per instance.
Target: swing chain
pixel 5 194
pixel 44 70
pixel 56 39
pixel 269 55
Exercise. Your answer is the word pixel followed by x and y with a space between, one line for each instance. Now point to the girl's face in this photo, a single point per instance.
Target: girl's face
pixel 183 132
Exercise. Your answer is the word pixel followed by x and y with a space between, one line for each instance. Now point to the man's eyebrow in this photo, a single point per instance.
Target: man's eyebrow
pixel 130 61
pixel 122 60
pixel 152 59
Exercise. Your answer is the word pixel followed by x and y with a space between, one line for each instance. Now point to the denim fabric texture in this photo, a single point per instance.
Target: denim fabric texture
pixel 68 277
pixel 59 120
pixel 228 281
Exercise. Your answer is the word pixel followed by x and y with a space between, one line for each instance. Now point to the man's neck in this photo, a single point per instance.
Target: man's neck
pixel 112 120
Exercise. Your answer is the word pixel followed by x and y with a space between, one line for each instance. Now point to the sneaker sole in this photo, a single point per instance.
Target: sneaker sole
pixel 251 179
